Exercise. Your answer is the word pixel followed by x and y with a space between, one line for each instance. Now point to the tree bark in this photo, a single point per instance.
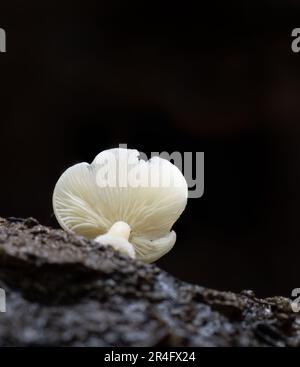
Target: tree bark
pixel 64 290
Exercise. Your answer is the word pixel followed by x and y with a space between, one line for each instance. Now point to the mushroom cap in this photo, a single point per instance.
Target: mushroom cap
pixel 117 186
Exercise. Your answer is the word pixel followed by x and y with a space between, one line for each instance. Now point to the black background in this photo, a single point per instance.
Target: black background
pixel 81 78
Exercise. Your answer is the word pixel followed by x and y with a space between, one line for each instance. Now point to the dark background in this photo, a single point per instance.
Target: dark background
pixel 78 79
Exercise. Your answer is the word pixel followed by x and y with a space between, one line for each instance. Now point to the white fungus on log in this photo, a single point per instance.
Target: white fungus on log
pixel 123 201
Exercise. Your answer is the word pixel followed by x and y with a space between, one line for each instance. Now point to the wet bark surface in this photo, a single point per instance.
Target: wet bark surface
pixel 64 290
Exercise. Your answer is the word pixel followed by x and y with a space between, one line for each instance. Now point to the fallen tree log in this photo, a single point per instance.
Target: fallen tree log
pixel 64 290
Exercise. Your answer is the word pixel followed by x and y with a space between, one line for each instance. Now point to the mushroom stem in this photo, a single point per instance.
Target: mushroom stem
pixel 117 237
pixel 120 229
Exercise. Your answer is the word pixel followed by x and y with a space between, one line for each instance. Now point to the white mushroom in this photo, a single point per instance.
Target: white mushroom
pixel 122 201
